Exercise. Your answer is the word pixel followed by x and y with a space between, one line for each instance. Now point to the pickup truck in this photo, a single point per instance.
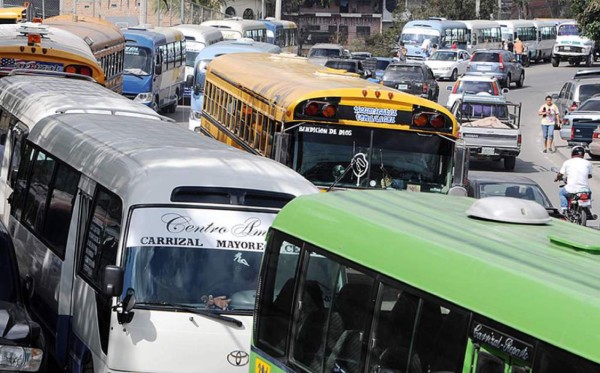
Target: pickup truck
pixel 578 127
pixel 489 125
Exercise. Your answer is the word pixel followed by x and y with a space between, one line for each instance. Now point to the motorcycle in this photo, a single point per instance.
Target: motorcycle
pixel 579 208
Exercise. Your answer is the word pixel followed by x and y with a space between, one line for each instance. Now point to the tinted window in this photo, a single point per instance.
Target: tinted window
pixel 102 238
pixel 21 183
pixel 476 87
pixel 443 56
pixel 523 191
pixel 590 105
pixel 381 65
pixel 35 200
pixel 276 295
pixel 588 90
pixel 325 53
pixel 8 286
pixel 403 72
pixel 334 317
pixel 486 57
pixel 554 360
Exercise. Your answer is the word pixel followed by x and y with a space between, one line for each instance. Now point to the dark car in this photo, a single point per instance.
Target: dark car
pixel 22 345
pixel 414 78
pixel 500 64
pixel 483 184
pixel 350 65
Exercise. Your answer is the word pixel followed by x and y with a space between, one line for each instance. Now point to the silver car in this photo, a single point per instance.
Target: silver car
pixel 500 64
pixel 588 112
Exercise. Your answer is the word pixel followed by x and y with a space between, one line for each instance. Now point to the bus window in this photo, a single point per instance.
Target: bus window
pixel 334 317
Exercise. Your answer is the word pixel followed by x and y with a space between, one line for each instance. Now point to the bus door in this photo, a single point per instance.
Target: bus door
pixel 13 139
pixel 98 230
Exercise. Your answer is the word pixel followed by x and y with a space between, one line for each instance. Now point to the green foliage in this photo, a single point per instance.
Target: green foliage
pixel 587 13
pixel 456 9
pixel 380 45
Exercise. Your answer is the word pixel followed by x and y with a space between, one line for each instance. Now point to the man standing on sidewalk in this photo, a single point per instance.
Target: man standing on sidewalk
pixel 550 116
pixel 519 48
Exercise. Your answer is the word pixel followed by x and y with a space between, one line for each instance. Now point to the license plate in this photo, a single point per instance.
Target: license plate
pixel 585 203
pixel 567 48
pixel 402 86
pixel 488 151
pixel 484 68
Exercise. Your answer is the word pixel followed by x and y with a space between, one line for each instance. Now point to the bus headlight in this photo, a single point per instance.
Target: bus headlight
pixel 20 359
pixel 144 97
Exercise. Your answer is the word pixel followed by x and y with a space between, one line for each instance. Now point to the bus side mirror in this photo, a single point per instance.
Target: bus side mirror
pixel 158 69
pixel 197 89
pixel 461 167
pixel 189 80
pixel 112 283
pixel 281 146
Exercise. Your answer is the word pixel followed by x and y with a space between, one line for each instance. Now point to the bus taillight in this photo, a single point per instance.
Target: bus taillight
pixel 437 121
pixel 420 120
pixel 329 111
pixel 71 69
pixel 430 120
pixel 312 109
pixel 78 69
pixel 321 109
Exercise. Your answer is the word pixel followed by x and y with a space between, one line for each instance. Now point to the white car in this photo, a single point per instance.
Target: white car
pixel 448 63
pixel 473 85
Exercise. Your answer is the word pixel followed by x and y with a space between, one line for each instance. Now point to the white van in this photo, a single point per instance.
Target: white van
pixel 140 243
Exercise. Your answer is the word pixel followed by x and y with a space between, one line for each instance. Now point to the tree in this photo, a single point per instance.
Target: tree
pixel 587 13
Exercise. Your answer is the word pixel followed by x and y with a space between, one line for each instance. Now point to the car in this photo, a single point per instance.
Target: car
pixel 412 77
pixel 321 52
pixel 498 63
pixel 377 66
pixel 473 84
pixel 584 85
pixel 350 65
pixel 22 343
pixel 586 117
pixel 448 63
pixel 360 55
pixel 483 184
pixel 594 149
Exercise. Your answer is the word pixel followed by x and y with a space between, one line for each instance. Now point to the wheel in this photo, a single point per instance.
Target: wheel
pixel 582 216
pixel 171 108
pixel 578 62
pixel 521 80
pixel 507 81
pixel 589 61
pixel 454 75
pixel 555 62
pixel 509 162
pixel 155 104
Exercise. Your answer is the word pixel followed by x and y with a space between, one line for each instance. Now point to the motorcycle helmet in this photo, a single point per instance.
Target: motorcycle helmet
pixel 577 151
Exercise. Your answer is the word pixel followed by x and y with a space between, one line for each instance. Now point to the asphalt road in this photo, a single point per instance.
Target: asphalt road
pixel 539 81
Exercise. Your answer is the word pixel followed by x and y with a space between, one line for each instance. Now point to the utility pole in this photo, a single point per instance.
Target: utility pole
pixel 477 8
pixel 277 9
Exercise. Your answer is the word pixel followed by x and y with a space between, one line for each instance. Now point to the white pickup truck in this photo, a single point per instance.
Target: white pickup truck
pixel 489 125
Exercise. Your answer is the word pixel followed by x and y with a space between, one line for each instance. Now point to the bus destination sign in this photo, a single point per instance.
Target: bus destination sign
pixel 367 114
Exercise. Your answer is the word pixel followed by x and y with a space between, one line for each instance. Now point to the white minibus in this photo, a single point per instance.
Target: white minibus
pixel 237 28
pixel 483 35
pixel 140 243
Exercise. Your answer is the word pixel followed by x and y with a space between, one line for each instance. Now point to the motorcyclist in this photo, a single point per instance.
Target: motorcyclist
pixel 576 172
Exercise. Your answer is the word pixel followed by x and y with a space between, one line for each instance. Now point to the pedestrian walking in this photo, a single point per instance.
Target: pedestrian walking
pixel 550 116
pixel 518 49
pixel 510 45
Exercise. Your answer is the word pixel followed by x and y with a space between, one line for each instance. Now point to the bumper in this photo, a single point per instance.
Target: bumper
pixel 595 148
pixel 484 152
pixel 442 73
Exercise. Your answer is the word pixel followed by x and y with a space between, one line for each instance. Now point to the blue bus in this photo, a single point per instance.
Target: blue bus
pixel 206 55
pixel 282 33
pixel 443 33
pixel 154 67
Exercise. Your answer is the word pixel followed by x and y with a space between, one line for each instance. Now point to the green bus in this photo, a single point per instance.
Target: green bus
pixel 388 282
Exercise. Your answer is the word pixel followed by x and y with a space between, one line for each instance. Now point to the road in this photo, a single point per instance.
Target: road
pixel 539 81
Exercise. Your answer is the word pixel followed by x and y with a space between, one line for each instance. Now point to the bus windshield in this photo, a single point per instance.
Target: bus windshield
pixel 191 256
pixel 138 60
pixel 372 158
pixel 416 38
pixel 568 30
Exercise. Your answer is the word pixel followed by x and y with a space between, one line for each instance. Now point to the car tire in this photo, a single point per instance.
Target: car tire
pixel 454 75
pixel 555 62
pixel 589 60
pixel 521 80
pixel 510 162
pixel 507 81
pixel 154 104
pixel 594 157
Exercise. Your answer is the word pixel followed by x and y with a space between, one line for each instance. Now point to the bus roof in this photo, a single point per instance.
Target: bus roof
pixel 435 24
pixel 200 33
pixel 516 23
pixel 149 37
pixel 244 45
pixel 235 24
pixel 515 274
pixel 297 79
pixel 101 33
pixel 147 168
pixel 55 39
pixel 31 98
pixel 481 23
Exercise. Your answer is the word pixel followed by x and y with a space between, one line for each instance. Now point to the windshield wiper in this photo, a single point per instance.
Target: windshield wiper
pixel 197 311
pixel 336 181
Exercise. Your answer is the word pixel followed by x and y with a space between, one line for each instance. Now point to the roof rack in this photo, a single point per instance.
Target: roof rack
pixel 51 73
pixel 586 74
